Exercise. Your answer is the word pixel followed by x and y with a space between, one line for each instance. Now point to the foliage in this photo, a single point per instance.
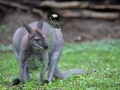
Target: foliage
pixel 6 48
pixel 102 56
pixel 3 28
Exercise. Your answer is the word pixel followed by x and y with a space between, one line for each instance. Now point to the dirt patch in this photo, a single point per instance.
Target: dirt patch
pixel 74 30
pixel 13 21
pixel 90 29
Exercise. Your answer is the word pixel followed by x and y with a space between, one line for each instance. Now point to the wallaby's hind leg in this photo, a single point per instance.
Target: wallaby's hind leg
pixel 52 64
pixel 23 78
pixel 23 67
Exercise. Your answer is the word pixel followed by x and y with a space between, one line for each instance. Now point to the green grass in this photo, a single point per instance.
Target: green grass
pixel 102 56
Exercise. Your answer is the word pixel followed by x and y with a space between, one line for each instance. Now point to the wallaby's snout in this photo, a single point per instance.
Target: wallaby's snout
pixel 46 47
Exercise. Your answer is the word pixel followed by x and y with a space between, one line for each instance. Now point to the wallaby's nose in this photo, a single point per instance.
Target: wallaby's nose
pixel 46 46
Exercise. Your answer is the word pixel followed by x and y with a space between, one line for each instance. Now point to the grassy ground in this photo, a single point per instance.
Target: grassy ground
pixel 102 56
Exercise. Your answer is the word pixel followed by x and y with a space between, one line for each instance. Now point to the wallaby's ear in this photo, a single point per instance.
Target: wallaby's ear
pixel 28 28
pixel 40 24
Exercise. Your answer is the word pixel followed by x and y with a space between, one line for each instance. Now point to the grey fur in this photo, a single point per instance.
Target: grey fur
pixel 24 50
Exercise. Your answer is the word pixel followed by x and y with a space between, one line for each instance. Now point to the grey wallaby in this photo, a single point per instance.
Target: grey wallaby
pixel 31 41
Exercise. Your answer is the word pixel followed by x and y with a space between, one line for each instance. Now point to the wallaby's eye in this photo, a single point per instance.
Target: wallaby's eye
pixel 37 39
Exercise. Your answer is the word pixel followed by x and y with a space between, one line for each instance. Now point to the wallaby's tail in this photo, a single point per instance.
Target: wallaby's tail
pixel 66 74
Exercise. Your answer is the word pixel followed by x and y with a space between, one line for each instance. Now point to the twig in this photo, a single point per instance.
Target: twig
pixel 61 5
pixel 115 7
pixel 23 7
pixel 87 14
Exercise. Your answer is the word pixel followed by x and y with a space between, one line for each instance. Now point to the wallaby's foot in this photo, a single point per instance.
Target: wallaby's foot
pixel 16 81
pixel 46 82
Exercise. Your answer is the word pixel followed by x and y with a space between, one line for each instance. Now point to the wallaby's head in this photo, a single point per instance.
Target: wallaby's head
pixel 35 37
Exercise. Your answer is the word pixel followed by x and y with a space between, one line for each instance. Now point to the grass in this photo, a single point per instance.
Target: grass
pixel 102 56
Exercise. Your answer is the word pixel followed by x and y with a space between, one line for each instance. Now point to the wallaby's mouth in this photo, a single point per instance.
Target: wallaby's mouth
pixel 41 48
pixel 38 48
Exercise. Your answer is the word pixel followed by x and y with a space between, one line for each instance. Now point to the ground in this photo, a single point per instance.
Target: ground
pixel 100 56
pixel 74 30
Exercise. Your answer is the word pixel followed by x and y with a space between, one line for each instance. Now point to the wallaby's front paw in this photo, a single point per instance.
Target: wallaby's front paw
pixel 46 82
pixel 16 81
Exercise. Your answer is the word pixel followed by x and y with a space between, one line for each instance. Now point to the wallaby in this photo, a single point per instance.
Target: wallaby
pixel 31 41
